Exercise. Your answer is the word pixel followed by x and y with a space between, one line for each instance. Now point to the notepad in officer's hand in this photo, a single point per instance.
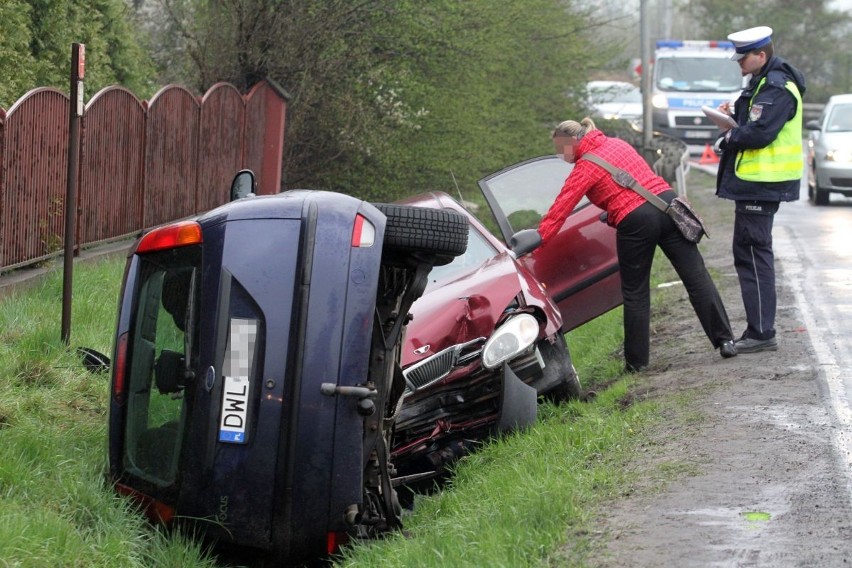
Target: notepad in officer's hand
pixel 722 120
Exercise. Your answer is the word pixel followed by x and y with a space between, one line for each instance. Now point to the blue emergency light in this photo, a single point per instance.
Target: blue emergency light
pixel 677 44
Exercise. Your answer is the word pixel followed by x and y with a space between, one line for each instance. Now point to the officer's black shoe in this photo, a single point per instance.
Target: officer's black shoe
pixel 752 345
pixel 728 349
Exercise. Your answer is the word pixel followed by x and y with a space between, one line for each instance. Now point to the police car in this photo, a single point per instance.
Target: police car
pixel 686 76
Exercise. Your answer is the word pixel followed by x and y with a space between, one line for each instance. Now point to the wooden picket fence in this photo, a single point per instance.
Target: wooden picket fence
pixel 141 163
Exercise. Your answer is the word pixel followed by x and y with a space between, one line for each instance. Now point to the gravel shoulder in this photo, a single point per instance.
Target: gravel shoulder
pixel 744 469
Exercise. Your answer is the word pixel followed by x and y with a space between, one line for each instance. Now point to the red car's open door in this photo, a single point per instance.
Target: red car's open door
pixel 579 268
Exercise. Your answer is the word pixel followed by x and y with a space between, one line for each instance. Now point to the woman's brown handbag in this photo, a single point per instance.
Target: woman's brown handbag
pixel 684 216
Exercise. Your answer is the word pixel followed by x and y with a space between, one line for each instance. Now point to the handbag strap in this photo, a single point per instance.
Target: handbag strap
pixel 623 178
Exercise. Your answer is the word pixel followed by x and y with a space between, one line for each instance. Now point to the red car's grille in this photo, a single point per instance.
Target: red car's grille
pixel 434 368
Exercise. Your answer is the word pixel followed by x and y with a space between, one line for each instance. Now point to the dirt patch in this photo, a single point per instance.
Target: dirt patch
pixel 743 471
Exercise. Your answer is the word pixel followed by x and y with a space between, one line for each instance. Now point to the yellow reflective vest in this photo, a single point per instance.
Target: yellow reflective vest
pixel 782 159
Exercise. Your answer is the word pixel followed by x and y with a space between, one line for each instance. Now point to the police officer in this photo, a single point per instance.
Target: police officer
pixel 761 165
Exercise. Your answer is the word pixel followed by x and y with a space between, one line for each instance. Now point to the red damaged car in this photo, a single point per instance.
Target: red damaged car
pixel 486 338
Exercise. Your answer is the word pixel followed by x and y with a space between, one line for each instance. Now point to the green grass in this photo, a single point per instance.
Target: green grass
pixel 596 348
pixel 515 503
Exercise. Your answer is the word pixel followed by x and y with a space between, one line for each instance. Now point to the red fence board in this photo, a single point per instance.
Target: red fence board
pixel 265 122
pixel 171 154
pixel 223 117
pixel 112 166
pixel 2 181
pixel 35 155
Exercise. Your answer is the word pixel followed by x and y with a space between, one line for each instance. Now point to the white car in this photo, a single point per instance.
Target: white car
pixel 615 100
pixel 830 150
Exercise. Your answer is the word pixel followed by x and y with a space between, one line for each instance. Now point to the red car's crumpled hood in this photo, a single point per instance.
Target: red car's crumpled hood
pixel 460 310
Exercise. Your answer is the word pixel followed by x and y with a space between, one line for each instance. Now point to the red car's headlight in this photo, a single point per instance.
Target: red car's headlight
pixel 510 339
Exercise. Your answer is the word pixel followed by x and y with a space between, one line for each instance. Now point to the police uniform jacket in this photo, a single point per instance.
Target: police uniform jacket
pixel 773 105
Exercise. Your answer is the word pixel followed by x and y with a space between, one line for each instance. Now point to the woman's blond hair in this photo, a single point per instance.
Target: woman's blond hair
pixel 574 128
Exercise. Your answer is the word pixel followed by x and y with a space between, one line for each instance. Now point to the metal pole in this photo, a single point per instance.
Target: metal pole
pixel 645 41
pixel 78 62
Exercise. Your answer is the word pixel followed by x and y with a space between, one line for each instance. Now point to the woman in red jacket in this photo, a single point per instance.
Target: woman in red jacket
pixel 640 227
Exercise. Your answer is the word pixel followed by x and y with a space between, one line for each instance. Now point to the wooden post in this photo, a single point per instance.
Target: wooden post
pixel 78 64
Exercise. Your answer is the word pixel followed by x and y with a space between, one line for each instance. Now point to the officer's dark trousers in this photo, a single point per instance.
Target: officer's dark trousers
pixel 638 235
pixel 755 264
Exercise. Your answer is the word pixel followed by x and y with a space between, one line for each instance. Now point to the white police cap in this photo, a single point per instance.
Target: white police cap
pixel 749 40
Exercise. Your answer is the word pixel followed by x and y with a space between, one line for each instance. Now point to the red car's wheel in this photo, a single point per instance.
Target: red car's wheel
pixel 559 373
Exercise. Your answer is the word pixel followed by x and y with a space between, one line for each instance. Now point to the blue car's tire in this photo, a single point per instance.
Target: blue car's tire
pixel 439 232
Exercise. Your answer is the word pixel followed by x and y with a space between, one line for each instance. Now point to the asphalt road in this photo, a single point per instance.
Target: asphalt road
pixel 814 247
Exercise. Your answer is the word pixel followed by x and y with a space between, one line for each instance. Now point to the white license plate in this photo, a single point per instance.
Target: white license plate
pixel 235 397
pixel 698 134
pixel 237 388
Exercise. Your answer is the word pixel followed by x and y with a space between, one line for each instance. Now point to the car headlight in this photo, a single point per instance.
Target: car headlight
pixel 660 101
pixel 839 155
pixel 510 339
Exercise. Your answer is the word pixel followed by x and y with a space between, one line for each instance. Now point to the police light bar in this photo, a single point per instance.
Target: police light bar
pixel 678 44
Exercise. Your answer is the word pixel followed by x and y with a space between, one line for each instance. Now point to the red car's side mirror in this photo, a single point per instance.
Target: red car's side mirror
pixel 524 242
